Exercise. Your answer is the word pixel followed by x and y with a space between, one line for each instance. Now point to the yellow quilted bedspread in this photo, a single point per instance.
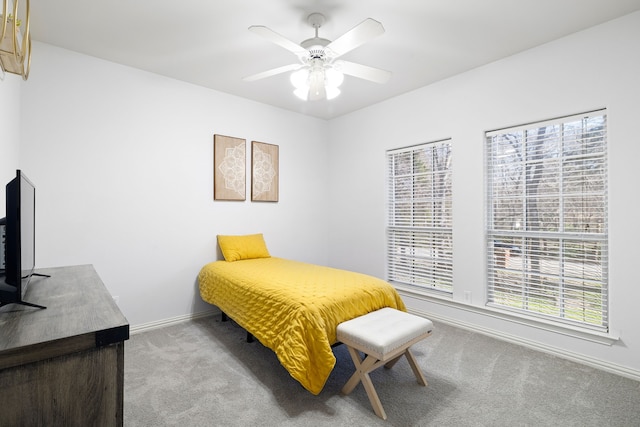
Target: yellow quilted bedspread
pixel 294 308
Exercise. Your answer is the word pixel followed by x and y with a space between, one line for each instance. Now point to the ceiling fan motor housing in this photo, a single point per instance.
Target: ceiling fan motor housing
pixel 317 52
pixel 316 45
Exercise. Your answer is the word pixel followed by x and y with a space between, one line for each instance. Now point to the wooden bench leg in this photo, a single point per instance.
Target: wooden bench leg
pixel 416 369
pixel 373 396
pixel 412 362
pixel 361 374
pixel 369 364
pixel 392 362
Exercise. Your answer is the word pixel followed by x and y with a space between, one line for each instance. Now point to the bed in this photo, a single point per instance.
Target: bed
pixel 291 307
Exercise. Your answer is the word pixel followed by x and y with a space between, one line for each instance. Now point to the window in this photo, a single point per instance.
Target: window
pixel 419 234
pixel 547 239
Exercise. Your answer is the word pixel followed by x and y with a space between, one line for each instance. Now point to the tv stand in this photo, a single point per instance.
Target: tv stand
pixel 63 365
pixel 37 275
pixel 41 275
pixel 18 299
pixel 29 304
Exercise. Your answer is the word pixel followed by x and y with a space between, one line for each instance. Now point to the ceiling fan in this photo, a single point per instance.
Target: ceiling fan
pixel 319 72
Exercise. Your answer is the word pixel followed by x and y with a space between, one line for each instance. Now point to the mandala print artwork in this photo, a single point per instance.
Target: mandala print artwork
pixel 264 165
pixel 263 172
pixel 230 168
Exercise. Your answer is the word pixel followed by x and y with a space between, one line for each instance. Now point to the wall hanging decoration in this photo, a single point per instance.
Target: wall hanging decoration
pixel 15 38
pixel 229 160
pixel 264 172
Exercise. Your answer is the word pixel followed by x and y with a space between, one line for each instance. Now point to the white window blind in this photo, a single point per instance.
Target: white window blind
pixel 547 237
pixel 419 233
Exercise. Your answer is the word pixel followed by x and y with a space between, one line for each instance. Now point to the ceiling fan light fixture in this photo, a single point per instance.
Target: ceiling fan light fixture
pixel 332 92
pixel 316 79
pixel 317 89
pixel 300 79
pixel 333 77
pixel 316 83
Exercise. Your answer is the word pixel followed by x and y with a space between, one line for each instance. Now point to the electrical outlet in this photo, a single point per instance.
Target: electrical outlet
pixel 467 297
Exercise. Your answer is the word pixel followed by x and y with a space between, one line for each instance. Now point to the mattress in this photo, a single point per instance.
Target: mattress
pixel 293 308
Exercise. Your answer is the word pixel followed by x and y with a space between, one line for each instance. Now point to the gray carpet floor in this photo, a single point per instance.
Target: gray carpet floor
pixel 204 373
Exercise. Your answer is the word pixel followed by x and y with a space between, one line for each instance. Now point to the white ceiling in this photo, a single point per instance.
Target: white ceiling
pixel 207 42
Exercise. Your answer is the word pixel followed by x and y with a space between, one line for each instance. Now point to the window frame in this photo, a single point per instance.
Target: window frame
pixel 420 246
pixel 498 271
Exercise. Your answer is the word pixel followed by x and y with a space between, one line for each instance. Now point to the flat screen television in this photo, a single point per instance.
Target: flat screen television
pixel 19 240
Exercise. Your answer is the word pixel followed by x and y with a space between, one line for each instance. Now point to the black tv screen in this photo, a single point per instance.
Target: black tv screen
pixel 19 239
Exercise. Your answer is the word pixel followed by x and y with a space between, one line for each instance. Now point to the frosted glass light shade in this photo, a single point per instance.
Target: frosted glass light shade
pixel 316 83
pixel 332 92
pixel 316 79
pixel 333 77
pixel 300 78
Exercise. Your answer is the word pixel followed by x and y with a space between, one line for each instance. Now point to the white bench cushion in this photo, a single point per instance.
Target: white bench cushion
pixel 382 331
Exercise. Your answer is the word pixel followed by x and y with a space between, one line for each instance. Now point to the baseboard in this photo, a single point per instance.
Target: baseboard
pixel 172 321
pixel 534 345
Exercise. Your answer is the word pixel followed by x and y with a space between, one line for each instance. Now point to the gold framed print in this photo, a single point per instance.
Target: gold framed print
pixel 230 168
pixel 264 172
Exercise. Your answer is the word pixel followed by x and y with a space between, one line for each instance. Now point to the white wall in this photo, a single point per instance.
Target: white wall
pixel 123 164
pixel 9 131
pixel 596 68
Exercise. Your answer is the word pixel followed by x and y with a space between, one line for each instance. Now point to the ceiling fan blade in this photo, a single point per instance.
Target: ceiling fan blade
pixel 358 35
pixel 276 38
pixel 363 71
pixel 272 72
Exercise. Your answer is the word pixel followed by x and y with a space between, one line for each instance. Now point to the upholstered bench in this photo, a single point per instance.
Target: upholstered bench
pixel 384 336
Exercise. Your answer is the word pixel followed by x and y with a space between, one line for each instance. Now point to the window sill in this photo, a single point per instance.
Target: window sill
pixel 446 299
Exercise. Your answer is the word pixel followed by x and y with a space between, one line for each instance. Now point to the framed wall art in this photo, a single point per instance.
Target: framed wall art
pixel 230 168
pixel 264 172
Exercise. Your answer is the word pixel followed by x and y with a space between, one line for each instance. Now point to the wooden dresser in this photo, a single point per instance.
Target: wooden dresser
pixel 63 365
